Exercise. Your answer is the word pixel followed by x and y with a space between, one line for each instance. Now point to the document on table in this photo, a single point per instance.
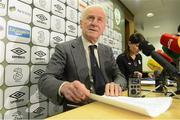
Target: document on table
pixel 151 106
pixel 147 81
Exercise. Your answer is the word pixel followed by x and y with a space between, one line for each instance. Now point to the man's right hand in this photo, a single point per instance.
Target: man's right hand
pixel 75 91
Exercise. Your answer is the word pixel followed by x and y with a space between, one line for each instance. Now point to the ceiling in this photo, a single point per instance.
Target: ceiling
pixel 166 15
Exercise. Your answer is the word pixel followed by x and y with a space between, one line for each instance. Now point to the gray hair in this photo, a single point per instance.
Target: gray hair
pixel 92 6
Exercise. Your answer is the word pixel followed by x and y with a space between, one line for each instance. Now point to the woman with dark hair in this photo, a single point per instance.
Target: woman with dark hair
pixel 130 61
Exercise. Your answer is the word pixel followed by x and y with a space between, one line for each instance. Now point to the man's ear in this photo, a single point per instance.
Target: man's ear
pixel 129 42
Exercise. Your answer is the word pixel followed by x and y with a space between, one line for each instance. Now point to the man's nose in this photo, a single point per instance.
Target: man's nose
pixel 94 21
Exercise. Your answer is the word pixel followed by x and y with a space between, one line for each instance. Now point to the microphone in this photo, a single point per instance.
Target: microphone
pixel 170 53
pixel 171 42
pixel 153 65
pixel 168 58
pixel 149 50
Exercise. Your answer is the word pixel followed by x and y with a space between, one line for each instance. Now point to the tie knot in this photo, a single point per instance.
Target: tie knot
pixel 92 47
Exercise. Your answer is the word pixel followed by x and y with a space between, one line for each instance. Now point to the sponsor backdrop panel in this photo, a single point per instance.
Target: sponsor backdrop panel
pixel 29 31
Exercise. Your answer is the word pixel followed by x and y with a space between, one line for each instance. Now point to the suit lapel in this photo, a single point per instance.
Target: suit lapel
pixel 79 56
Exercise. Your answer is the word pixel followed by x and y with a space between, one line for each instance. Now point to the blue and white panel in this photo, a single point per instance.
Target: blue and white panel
pixel 18 32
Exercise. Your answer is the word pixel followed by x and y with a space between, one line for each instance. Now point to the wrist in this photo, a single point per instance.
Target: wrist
pixel 60 88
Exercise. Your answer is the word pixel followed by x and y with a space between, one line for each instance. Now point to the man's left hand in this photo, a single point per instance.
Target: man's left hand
pixel 113 89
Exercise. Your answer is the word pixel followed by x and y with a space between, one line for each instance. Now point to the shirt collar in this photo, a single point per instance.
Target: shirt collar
pixel 86 43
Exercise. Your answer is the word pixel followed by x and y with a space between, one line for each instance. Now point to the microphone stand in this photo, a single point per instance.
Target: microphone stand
pixel 149 50
pixel 160 85
pixel 178 77
pixel 178 81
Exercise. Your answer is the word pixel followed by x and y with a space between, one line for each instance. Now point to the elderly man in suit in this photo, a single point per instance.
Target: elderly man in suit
pixel 70 78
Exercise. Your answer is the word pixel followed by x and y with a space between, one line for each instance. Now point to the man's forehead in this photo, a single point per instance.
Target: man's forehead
pixel 95 10
pixel 95 13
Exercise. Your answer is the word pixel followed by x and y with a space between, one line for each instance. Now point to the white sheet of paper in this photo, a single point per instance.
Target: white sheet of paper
pixel 152 107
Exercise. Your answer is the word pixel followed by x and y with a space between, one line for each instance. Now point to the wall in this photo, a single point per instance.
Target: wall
pixel 129 24
pixel 29 31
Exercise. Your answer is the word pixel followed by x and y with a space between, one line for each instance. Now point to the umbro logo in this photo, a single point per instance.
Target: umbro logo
pixel 57 39
pixel 71 27
pixel 58 7
pixel 40 53
pixel 18 51
pixel 41 17
pixel 39 72
pixel 17 95
pixel 39 110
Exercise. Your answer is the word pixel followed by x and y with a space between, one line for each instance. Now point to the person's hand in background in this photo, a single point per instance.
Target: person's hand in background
pixel 138 74
pixel 113 89
pixel 151 75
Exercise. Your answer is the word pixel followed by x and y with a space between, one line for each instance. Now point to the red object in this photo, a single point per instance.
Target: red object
pixel 170 42
pixel 164 55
